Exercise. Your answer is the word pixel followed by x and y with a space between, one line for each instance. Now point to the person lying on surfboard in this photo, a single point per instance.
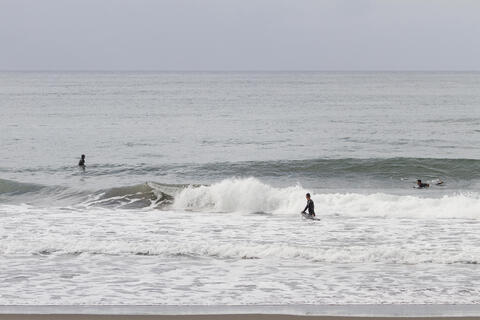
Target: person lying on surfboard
pixel 421 185
pixel 310 206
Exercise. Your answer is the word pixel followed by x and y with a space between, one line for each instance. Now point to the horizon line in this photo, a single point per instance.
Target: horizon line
pixel 238 71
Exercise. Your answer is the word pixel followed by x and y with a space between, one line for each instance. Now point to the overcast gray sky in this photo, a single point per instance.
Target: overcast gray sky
pixel 240 35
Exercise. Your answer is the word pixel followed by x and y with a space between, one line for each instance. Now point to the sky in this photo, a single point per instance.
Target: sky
pixel 239 35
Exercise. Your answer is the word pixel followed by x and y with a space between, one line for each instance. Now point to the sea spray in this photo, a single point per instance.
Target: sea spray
pixel 251 195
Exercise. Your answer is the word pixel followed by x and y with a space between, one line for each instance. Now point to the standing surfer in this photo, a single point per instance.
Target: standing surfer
pixel 310 206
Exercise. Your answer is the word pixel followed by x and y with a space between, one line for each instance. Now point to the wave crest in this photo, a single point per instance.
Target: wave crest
pixel 239 195
pixel 137 196
pixel 250 195
pixel 10 187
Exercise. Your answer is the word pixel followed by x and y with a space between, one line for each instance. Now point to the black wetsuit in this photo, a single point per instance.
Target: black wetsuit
pixel 81 163
pixel 311 207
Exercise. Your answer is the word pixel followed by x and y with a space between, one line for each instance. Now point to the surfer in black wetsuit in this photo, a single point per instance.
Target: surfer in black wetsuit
pixel 81 163
pixel 310 206
pixel 421 185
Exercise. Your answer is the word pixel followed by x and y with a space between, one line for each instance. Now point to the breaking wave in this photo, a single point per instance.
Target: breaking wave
pixel 251 195
pixel 150 194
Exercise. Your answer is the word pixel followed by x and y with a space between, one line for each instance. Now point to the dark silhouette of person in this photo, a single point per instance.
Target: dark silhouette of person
pixel 310 206
pixel 422 185
pixel 81 163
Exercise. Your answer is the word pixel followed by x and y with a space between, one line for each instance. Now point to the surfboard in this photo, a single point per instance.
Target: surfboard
pixel 309 217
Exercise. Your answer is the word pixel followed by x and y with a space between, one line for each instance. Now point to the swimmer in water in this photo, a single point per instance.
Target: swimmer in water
pixel 421 185
pixel 81 163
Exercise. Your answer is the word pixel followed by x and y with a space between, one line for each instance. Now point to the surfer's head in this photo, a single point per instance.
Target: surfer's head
pixel 307 196
pixel 83 156
pixel 419 182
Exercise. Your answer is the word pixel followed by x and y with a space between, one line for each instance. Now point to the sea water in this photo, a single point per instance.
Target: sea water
pixel 194 184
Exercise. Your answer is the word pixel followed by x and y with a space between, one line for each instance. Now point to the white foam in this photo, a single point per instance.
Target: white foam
pixel 240 195
pixel 180 257
pixel 251 195
pixel 352 254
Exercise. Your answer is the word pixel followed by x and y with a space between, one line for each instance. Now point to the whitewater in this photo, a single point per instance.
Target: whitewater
pixel 195 182
pixel 240 241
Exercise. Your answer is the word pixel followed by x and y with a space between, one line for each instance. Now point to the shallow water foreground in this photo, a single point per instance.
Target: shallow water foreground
pixel 103 256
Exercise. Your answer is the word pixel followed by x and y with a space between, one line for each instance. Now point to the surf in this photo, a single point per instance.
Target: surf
pixel 250 195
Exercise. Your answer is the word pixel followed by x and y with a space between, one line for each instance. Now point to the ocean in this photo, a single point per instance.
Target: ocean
pixel 194 182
